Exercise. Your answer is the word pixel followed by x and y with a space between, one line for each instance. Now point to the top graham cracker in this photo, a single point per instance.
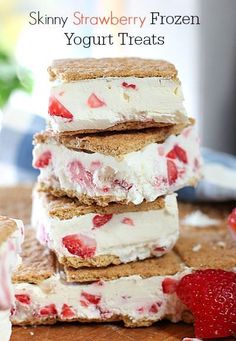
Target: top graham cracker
pixel 69 70
pixel 7 228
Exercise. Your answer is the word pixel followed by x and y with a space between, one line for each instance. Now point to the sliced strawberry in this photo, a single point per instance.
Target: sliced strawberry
pixel 23 298
pixel 154 308
pixel 95 102
pixel 128 221
pixel 129 86
pixel 101 219
pixel 171 154
pixel 92 299
pixel 80 245
pixel 172 172
pixel 169 285
pixel 181 154
pixel 211 297
pixel 57 109
pixel 43 160
pixel 79 174
pixel 159 249
pixel 48 310
pixel 67 312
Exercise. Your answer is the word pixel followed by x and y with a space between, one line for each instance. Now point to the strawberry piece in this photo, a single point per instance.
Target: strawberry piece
pixel 231 222
pixel 57 109
pixel 80 245
pixel 178 152
pixel 101 219
pixel 128 221
pixel 48 310
pixel 79 174
pixel 211 297
pixel 44 160
pixel 129 86
pixel 172 172
pixel 23 298
pixel 95 102
pixel 169 285
pixel 181 154
pixel 171 154
pixel 92 299
pixel 154 308
pixel 67 312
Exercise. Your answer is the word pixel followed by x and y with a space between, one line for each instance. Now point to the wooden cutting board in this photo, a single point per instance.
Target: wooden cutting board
pixel 16 202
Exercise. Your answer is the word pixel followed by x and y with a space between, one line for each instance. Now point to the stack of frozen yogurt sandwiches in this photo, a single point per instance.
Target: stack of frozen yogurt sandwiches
pixel 117 146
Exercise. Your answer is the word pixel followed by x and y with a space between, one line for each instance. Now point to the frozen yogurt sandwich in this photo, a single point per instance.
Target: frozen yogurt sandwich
pixel 11 237
pixel 97 236
pixel 129 167
pixel 185 284
pixel 111 94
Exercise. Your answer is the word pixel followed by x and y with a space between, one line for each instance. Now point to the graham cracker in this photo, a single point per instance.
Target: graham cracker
pixel 66 208
pixel 7 228
pixel 38 263
pixel 130 125
pixel 169 264
pixel 128 322
pixel 69 70
pixel 115 144
pixel 208 248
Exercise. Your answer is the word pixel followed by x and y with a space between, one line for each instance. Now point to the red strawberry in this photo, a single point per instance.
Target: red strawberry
pixel 231 221
pixel 79 174
pixel 95 102
pixel 23 298
pixel 178 152
pixel 211 297
pixel 169 285
pixel 48 310
pixel 154 308
pixel 57 109
pixel 128 86
pixel 172 172
pixel 80 245
pixel 101 219
pixel 93 299
pixel 44 160
pixel 171 154
pixel 181 154
pixel 67 312
pixel 128 221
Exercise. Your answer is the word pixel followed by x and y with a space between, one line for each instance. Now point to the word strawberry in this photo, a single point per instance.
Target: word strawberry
pixel 44 160
pixel 101 219
pixel 172 172
pixel 128 86
pixel 23 298
pixel 57 109
pixel 95 102
pixel 80 245
pixel 211 297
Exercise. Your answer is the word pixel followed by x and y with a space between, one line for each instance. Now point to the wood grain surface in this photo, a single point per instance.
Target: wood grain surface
pixel 16 203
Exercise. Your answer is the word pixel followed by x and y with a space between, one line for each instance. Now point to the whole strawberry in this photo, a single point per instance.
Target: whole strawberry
pixel 211 297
